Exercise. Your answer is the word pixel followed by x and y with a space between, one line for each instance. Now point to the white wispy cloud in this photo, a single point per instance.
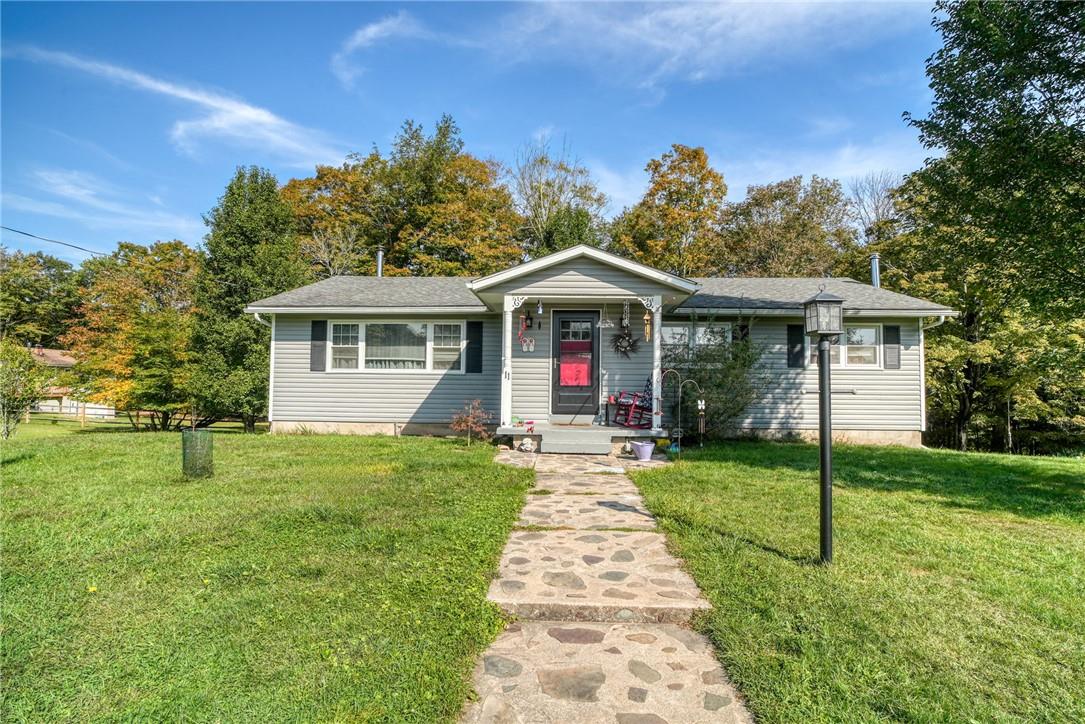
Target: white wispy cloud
pixel 898 152
pixel 650 45
pixel 99 205
pixel 400 25
pixel 224 118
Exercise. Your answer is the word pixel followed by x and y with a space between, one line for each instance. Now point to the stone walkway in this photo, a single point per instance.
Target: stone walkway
pixel 601 610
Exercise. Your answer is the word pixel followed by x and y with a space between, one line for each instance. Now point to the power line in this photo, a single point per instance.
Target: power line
pixel 54 241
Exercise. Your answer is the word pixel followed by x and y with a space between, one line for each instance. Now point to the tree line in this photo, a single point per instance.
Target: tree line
pixel 992 226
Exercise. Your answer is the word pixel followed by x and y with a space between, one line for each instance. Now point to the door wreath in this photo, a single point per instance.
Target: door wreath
pixel 624 343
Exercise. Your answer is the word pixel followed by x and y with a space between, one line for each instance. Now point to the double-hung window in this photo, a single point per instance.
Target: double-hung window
pixel 344 346
pixel 448 344
pixel 675 340
pixel 860 346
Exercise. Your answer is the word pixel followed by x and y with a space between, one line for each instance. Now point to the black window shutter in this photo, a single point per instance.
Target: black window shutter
pixel 740 333
pixel 891 346
pixel 318 340
pixel 795 348
pixel 473 361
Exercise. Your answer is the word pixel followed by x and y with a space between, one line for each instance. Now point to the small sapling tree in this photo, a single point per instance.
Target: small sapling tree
pixel 472 420
pixel 22 383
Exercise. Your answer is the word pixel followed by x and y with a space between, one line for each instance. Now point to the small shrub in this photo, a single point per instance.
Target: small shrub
pixel 472 420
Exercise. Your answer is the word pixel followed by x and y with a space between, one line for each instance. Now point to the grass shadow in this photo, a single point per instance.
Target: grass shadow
pixel 1027 486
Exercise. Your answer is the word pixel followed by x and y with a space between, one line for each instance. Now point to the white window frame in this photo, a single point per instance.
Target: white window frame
pixel 329 362
pixel 463 345
pixel 879 354
pixel 428 370
pixel 692 328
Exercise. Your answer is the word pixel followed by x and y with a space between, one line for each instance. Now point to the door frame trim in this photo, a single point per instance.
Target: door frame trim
pixel 597 362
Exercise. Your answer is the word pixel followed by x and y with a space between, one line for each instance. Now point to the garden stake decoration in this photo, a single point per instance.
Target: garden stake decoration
pixel 700 422
pixel 677 431
pixel 824 320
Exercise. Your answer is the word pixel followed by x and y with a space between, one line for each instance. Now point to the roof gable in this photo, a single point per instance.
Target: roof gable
pixel 581 251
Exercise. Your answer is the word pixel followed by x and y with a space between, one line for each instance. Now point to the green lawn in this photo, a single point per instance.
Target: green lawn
pixel 957 592
pixel 313 578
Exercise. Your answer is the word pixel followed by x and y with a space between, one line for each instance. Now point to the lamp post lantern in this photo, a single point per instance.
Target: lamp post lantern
pixel 824 320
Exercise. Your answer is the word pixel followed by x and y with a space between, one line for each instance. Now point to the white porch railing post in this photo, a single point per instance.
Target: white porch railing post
pixel 511 304
pixel 657 360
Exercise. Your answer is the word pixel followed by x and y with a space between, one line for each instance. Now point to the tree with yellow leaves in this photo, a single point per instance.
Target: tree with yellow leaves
pixel 132 341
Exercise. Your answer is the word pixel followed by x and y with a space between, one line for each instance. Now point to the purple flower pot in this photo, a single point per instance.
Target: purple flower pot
pixel 643 449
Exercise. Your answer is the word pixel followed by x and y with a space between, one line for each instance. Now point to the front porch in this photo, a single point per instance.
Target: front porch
pixel 561 373
pixel 579 327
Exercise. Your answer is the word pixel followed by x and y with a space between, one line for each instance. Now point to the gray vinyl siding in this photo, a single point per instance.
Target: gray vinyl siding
pixel 582 278
pixel 863 399
pixel 377 396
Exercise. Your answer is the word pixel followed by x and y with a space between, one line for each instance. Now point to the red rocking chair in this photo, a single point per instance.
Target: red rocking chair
pixel 634 409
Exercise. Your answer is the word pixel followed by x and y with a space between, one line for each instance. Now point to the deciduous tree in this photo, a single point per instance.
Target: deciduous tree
pixel 558 201
pixel 133 338
pixel 38 296
pixel 787 228
pixel 23 382
pixel 1008 120
pixel 432 207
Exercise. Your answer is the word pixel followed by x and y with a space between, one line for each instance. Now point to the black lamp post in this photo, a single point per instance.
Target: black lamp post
pixel 825 320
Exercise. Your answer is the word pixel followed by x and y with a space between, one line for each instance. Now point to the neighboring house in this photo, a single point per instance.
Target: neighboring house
pixel 402 354
pixel 58 399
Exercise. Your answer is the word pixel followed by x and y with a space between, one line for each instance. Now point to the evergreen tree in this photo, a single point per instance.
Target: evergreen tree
pixel 251 252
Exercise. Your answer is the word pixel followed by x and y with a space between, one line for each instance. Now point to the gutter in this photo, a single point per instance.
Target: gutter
pixel 479 309
pixel 798 312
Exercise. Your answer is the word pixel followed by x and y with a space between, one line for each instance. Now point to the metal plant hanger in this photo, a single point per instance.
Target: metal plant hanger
pixel 605 322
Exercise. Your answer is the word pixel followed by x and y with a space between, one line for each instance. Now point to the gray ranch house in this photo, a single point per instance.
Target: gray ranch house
pixel 401 355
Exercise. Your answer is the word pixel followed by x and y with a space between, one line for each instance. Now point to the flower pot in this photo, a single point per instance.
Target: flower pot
pixel 643 449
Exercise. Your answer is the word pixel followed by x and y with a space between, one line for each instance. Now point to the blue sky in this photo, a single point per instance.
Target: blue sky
pixel 124 121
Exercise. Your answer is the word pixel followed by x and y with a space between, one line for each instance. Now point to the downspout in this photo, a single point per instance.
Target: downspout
pixel 258 318
pixel 941 320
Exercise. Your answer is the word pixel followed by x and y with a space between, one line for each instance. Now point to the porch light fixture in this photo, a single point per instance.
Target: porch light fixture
pixel 824 313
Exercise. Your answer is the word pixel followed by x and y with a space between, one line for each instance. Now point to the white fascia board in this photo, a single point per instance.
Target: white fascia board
pixel 592 253
pixel 368 310
pixel 798 312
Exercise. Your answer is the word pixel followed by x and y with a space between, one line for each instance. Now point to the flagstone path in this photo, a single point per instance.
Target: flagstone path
pixel 601 609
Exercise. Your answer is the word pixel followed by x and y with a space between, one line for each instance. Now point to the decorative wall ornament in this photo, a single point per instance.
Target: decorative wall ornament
pixel 624 343
pixel 518 302
pixel 650 303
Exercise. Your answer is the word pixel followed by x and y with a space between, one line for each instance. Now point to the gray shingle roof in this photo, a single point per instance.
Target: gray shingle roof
pixel 790 293
pixel 349 291
pixel 716 292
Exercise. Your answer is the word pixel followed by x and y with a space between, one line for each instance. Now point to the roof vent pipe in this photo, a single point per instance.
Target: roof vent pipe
pixel 380 261
pixel 875 271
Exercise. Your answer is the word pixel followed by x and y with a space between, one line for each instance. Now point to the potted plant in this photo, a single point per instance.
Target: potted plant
pixel 643 449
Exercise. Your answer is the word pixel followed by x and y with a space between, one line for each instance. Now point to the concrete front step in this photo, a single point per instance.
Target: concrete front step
pixel 551 672
pixel 587 512
pixel 576 575
pixel 574 447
